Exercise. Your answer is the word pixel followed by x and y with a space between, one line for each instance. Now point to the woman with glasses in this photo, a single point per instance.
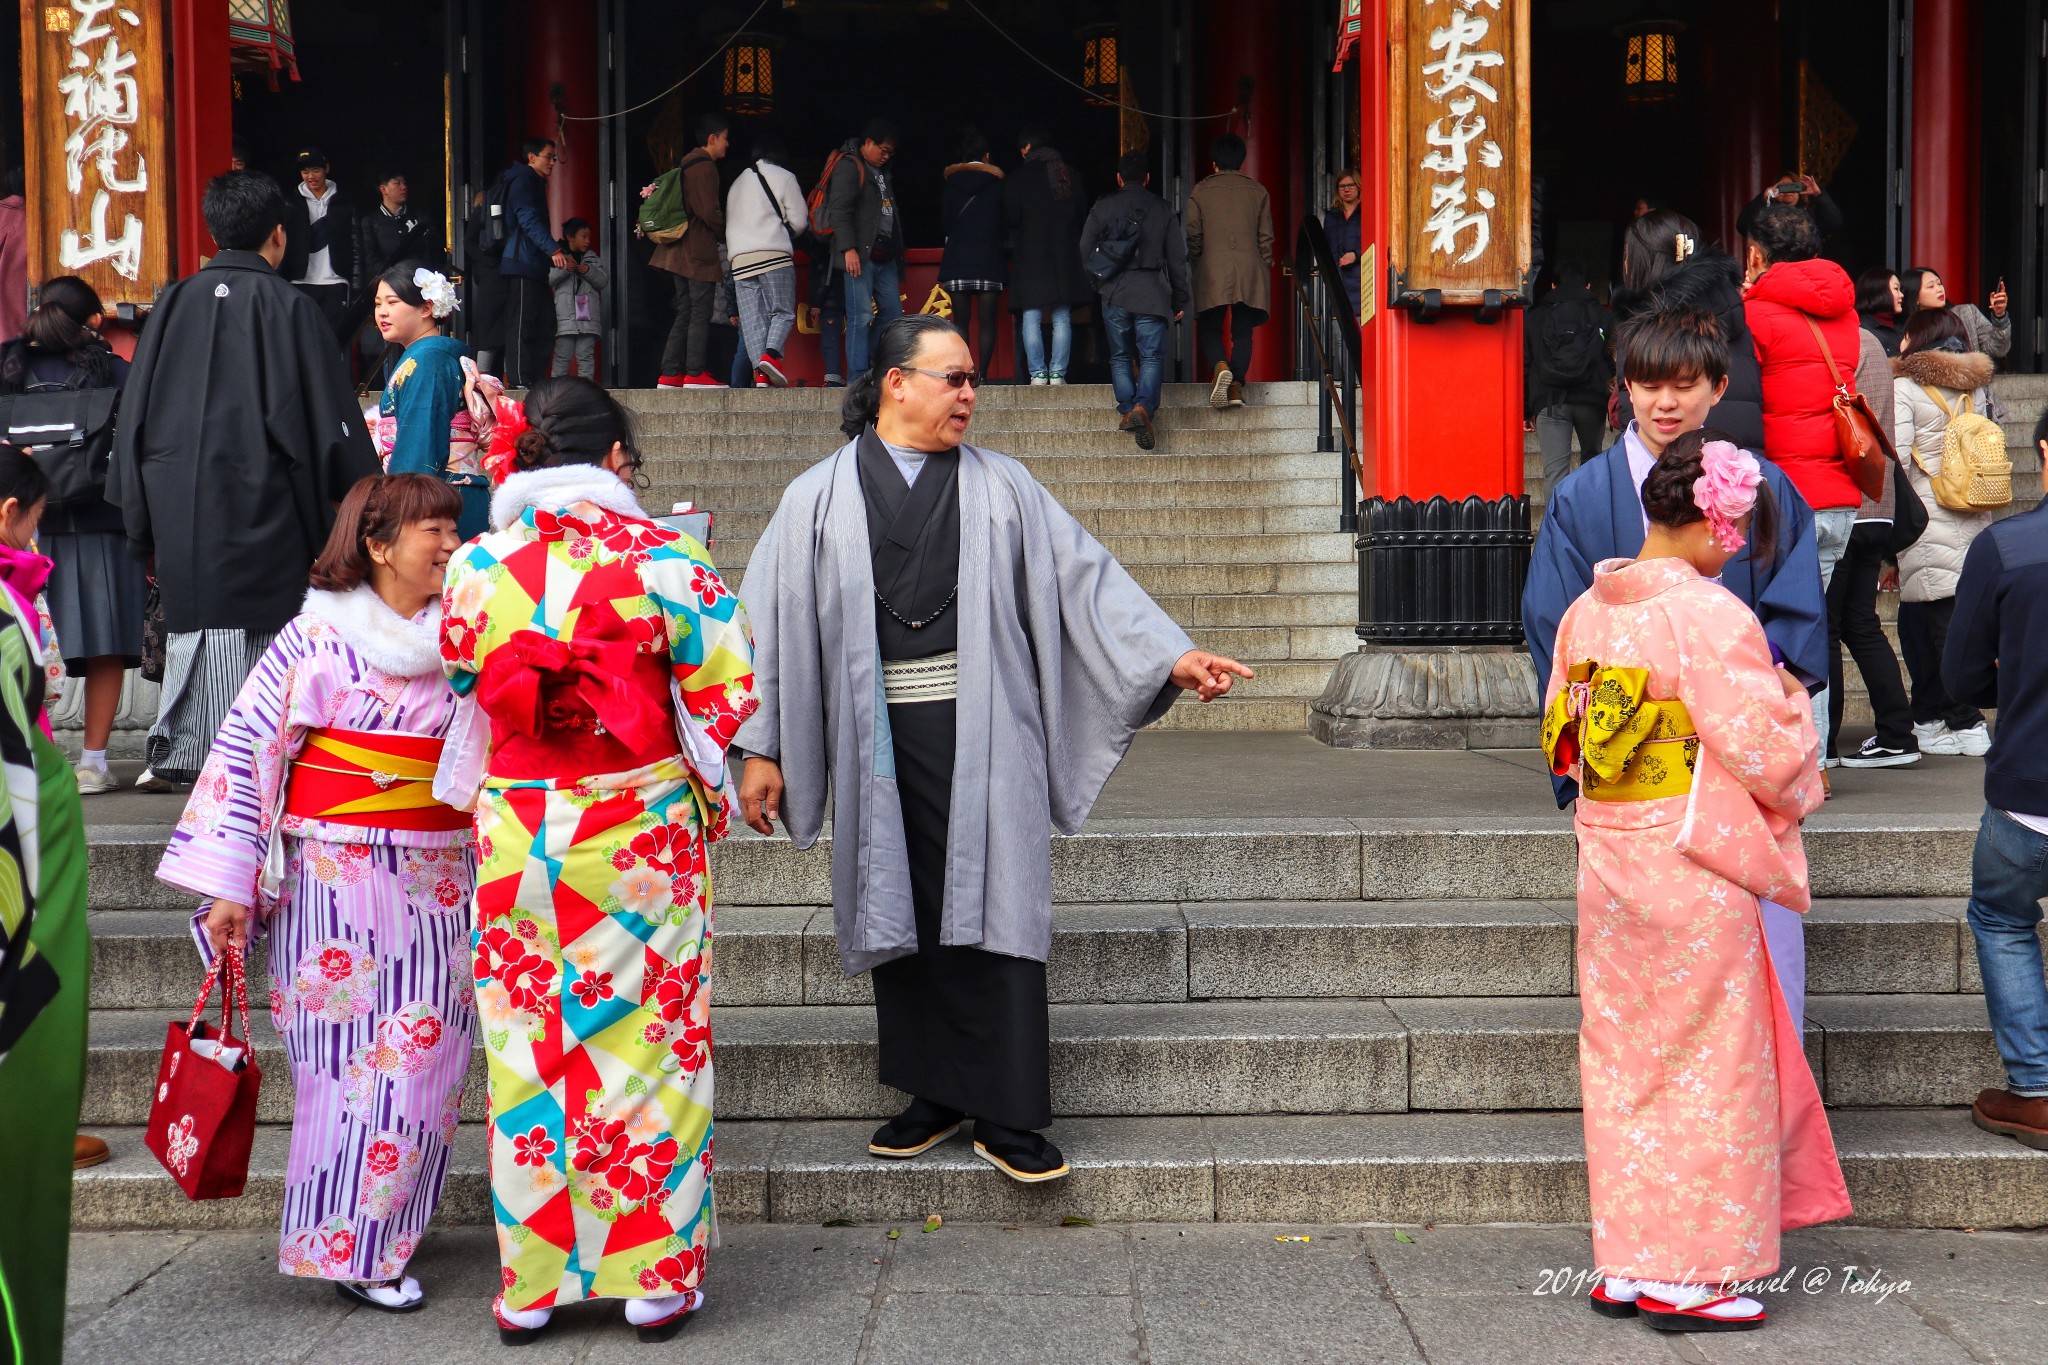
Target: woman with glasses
pixel 613 667
pixel 1342 225
pixel 939 638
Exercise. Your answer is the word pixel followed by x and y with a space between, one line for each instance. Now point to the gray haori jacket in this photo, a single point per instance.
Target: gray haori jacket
pixel 1063 658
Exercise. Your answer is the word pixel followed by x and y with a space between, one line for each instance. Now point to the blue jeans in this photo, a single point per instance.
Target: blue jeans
pixel 1832 527
pixel 1148 334
pixel 873 296
pixel 2008 878
pixel 1034 341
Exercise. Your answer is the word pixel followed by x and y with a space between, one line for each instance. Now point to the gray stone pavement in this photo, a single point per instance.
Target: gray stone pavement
pixel 1146 1293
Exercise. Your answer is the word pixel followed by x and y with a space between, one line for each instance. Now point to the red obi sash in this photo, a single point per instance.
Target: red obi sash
pixel 572 708
pixel 377 779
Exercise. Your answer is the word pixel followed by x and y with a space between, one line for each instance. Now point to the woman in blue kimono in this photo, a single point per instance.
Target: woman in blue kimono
pixel 424 424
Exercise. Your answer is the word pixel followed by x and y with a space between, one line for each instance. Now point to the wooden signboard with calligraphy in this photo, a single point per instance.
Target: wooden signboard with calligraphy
pixel 96 86
pixel 1458 131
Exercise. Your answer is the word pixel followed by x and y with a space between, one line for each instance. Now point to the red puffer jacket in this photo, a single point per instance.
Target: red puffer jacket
pixel 1799 393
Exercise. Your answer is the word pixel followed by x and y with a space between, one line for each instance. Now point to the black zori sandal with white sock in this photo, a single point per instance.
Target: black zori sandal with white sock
pixel 392 1296
pixel 656 1320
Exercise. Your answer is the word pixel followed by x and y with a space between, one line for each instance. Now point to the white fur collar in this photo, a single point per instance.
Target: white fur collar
pixel 385 640
pixel 554 488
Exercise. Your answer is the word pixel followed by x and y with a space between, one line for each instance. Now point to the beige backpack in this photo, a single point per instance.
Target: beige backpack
pixel 1975 474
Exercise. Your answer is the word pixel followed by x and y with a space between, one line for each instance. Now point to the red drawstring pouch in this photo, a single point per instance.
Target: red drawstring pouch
pixel 202 1118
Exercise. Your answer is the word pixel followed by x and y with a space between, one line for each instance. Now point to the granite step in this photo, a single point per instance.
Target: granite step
pixel 1128 466
pixel 1258 859
pixel 1904 1167
pixel 992 426
pixel 1167 953
pixel 1085 437
pixel 1207 496
pixel 1335 1056
pixel 990 398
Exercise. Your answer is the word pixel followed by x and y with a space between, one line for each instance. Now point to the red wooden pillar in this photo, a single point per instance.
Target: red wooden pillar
pixel 1739 56
pixel 1441 409
pixel 561 49
pixel 1241 41
pixel 1945 176
pixel 202 117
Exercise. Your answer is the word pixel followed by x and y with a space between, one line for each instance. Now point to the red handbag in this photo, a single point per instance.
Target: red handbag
pixel 202 1118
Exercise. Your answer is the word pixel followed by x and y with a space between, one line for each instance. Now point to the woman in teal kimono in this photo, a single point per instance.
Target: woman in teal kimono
pixel 424 422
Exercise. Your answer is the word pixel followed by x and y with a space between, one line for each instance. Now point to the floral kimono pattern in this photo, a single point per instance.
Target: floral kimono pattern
pixel 367 938
pixel 593 922
pixel 1705 1136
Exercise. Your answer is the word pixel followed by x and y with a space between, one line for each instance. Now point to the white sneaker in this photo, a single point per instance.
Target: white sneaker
pixel 1056 380
pixel 95 781
pixel 1936 738
pixel 1219 387
pixel 150 782
pixel 1830 762
pixel 1974 742
pixel 1039 381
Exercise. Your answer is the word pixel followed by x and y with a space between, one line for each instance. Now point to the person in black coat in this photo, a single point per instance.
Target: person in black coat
pixel 1566 368
pixel 1344 225
pixel 320 241
pixel 1044 204
pixel 1665 265
pixel 971 219
pixel 237 434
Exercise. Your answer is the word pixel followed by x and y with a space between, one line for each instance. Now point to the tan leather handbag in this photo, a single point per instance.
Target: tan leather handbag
pixel 1865 444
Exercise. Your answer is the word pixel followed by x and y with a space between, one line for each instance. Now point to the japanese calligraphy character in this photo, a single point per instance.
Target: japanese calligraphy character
pixel 1449 219
pixel 1454 138
pixel 1458 67
pixel 125 251
pixel 101 97
pixel 92 29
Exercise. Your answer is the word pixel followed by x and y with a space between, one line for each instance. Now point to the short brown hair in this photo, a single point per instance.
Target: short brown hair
pixel 1929 327
pixel 378 508
pixel 1671 344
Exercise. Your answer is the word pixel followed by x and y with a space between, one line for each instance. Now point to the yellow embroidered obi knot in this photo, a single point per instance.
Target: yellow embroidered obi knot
pixel 1618 743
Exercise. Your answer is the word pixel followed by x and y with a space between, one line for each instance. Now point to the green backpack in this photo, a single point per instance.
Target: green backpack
pixel 663 216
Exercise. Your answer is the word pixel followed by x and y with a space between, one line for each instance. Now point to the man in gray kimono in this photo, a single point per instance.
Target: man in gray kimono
pixel 947 648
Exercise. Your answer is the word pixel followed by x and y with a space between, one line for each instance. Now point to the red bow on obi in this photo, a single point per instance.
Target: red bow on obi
pixel 536 685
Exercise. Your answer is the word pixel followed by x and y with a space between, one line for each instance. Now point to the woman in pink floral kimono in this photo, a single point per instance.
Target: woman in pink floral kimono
pixel 1696 758
pixel 315 816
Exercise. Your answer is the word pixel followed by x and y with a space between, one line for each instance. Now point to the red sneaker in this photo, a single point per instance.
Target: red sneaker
pixel 672 381
pixel 769 373
pixel 701 381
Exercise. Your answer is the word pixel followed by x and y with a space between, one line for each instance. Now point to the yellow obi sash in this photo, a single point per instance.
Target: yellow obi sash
pixel 1625 746
pixel 380 779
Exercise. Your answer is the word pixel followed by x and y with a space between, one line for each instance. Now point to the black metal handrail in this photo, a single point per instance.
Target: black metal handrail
pixel 1332 327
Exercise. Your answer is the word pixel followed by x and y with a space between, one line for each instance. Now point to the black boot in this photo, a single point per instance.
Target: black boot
pixel 915 1131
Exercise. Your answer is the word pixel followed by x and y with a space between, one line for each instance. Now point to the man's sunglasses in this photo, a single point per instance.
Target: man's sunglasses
pixel 954 378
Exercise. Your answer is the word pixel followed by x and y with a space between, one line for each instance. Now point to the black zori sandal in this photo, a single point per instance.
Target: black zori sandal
pixel 661 1329
pixel 1026 1157
pixel 915 1131
pixel 1667 1317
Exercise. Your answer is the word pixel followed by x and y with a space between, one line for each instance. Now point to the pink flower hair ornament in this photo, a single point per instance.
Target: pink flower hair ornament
pixel 1726 490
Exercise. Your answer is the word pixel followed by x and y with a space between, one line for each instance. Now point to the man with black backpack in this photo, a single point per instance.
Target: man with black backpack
pixel 1565 390
pixel 1135 255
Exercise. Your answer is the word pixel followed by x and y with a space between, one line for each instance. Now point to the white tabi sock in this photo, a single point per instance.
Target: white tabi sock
pixel 641 1312
pixel 528 1318
pixel 1693 1295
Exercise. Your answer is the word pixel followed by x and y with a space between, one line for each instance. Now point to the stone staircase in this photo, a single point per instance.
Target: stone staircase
pixel 1253 1019
pixel 1230 523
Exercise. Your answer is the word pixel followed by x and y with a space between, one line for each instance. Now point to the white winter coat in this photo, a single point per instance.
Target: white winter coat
pixel 753 231
pixel 1929 567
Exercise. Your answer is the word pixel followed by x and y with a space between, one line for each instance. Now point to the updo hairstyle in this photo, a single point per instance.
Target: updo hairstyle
pixel 569 421
pixel 1667 492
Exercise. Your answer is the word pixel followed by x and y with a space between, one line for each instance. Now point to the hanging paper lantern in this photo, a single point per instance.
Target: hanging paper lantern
pixel 750 76
pixel 1649 70
pixel 1100 70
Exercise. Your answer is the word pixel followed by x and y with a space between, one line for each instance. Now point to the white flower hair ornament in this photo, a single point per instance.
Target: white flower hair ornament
pixel 436 290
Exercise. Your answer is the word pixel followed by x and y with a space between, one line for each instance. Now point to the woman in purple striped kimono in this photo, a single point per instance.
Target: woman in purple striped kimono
pixel 314 821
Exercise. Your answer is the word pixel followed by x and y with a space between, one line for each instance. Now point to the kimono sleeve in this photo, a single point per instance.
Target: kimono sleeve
pixel 465 615
pixel 1788 596
pixel 219 846
pixel 426 403
pixel 1726 679
pixel 711 651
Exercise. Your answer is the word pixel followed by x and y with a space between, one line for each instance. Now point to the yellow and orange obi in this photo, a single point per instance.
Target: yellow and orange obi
pixel 374 778
pixel 1620 744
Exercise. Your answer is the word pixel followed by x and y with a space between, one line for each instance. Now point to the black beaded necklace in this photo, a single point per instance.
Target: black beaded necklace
pixel 917 625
